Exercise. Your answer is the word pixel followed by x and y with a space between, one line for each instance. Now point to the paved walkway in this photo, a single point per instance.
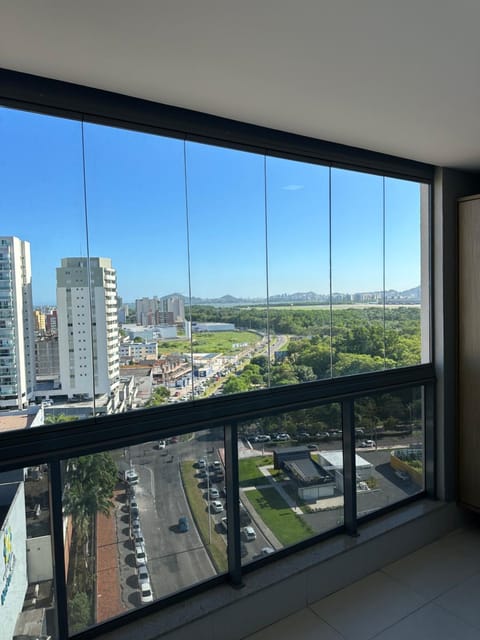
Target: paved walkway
pixel 109 601
pixel 276 485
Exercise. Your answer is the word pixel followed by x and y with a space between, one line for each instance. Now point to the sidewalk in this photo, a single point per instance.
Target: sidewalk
pixel 109 601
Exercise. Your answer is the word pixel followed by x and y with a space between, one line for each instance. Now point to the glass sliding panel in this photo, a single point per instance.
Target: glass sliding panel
pixel 138 267
pixel 357 273
pixel 390 448
pixel 43 221
pixel 290 474
pixel 299 271
pixel 226 210
pixel 403 277
pixel 144 522
pixel 27 593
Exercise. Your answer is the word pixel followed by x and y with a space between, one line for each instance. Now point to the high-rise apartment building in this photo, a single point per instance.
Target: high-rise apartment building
pixel 87 327
pixel 17 337
pixel 39 320
pixel 174 304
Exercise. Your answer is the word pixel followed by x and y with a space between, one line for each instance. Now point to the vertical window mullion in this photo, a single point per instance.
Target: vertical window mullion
pixel 58 547
pixel 429 438
pixel 349 472
pixel 233 500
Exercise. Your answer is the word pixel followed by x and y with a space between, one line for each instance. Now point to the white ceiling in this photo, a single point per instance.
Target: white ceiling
pixel 397 76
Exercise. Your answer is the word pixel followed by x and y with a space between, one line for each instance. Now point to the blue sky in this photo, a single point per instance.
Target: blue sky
pixel 141 190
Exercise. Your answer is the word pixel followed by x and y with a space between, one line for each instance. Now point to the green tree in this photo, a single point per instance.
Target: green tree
pixel 79 612
pixel 159 396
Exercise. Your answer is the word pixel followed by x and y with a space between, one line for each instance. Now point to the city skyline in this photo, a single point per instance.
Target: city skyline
pixel 141 190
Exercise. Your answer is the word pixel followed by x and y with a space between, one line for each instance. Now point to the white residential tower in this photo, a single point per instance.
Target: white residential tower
pixel 17 336
pixel 87 327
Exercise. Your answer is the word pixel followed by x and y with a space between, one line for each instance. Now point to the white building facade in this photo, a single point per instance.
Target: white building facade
pixel 87 327
pixel 17 336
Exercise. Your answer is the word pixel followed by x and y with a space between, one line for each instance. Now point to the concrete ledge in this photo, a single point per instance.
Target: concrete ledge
pixel 292 583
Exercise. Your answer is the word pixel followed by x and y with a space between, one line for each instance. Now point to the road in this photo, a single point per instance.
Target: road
pixel 175 560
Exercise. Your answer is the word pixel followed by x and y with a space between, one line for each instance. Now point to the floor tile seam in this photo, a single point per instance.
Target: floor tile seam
pixel 428 598
pixel 377 633
pixel 330 626
pixel 401 619
pixel 454 614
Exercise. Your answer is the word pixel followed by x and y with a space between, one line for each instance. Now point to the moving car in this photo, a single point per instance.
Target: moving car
pixel 161 444
pixel 183 524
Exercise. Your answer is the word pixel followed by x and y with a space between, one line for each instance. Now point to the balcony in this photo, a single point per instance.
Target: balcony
pixel 417 596
pixel 251 501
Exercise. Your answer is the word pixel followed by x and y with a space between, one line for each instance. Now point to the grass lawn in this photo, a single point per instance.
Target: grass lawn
pixel 273 510
pixel 217 549
pixel 211 342
pixel 249 473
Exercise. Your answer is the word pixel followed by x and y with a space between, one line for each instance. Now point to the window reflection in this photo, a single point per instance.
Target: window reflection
pixel 389 437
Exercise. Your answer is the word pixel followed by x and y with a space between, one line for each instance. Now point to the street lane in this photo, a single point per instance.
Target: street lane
pixel 175 559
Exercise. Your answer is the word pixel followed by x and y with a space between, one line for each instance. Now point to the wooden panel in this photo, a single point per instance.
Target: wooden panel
pixel 469 352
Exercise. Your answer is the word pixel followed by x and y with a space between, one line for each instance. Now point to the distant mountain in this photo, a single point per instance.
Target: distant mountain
pixel 409 296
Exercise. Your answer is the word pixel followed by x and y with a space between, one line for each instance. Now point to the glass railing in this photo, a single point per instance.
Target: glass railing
pixel 182 499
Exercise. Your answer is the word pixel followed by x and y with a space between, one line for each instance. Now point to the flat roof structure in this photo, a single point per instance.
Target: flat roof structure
pixel 334 459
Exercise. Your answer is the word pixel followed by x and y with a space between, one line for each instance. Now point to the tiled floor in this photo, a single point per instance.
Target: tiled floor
pixel 432 594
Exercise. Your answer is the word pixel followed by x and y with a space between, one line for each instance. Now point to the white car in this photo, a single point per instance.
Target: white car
pixel 143 575
pixel 140 555
pixel 146 594
pixel 201 464
pixel 135 525
pixel 131 476
pixel 214 494
pixel 217 506
pixel 161 444
pixel 249 533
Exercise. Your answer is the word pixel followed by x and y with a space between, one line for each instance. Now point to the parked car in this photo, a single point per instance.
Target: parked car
pixel 140 554
pixel 249 533
pixel 201 464
pixel 214 494
pixel 223 524
pixel 138 537
pixel 183 524
pixel 161 444
pixel 135 525
pixel 146 594
pixel 143 575
pixel 131 476
pixel 266 551
pixel 368 443
pixel 216 506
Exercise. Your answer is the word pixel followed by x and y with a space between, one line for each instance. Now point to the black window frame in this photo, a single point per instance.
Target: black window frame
pixel 50 444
